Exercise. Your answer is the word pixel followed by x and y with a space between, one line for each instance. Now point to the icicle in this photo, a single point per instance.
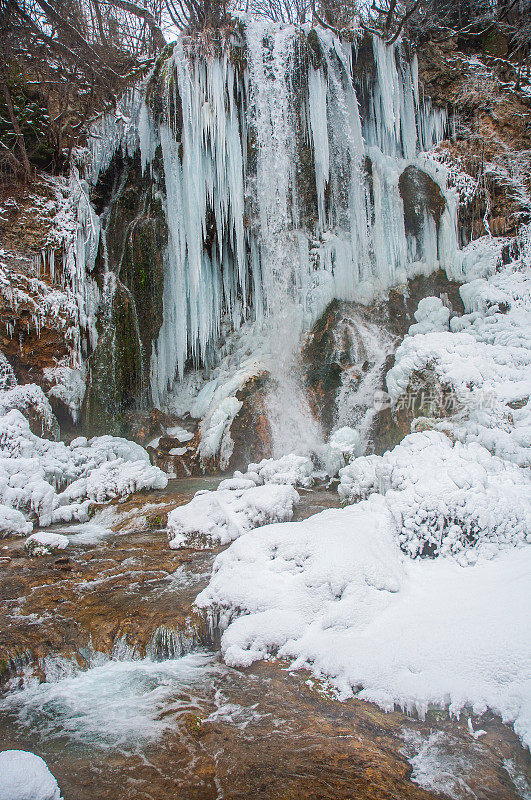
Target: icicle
pixel 230 138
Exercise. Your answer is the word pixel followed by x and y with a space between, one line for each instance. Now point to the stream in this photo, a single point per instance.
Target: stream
pixel 113 679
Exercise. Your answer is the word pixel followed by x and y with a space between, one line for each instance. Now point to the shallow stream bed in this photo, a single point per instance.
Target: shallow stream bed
pixel 114 680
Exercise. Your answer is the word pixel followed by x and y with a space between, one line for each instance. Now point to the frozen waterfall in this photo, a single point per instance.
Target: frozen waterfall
pixel 290 177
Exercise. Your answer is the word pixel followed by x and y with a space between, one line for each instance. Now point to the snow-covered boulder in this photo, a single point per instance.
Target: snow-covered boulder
pixel 12 521
pixel 431 315
pixel 446 498
pixel 219 517
pixel 25 776
pixel 290 469
pixel 41 543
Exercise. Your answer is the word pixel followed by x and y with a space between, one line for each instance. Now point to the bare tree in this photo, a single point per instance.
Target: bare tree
pixel 62 62
pixel 293 12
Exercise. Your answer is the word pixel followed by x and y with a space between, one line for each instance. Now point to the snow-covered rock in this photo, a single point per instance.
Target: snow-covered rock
pixel 12 521
pixel 451 499
pixel 335 593
pixel 42 542
pixel 31 401
pixel 221 516
pixel 53 482
pixel 290 469
pixel 25 776
pixel 431 315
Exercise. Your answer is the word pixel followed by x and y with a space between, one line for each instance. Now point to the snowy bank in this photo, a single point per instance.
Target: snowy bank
pixel 48 482
pixel 336 594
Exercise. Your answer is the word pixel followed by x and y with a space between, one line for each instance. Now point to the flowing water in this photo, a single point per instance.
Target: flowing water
pixel 126 696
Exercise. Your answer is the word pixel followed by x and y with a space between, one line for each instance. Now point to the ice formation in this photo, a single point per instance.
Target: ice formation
pixel 25 776
pixel 431 315
pixel 253 249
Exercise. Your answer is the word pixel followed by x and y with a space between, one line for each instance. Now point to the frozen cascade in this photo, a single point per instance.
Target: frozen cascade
pixel 271 54
pixel 282 163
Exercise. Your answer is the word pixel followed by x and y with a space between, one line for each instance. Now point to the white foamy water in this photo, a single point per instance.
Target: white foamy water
pixel 117 704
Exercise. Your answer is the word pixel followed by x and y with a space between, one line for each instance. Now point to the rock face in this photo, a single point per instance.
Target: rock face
pixel 493 137
pixel 250 429
pixel 350 349
pixel 31 339
pixel 327 353
pixel 129 272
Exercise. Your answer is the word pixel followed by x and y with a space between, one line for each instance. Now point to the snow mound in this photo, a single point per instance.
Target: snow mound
pixel 13 521
pixel 336 594
pixel 431 315
pixel 485 359
pixel 40 543
pixel 25 776
pixel 290 469
pixel 52 482
pixel 221 516
pixel 451 499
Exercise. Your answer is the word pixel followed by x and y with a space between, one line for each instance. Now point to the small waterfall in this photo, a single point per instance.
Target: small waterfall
pixel 370 345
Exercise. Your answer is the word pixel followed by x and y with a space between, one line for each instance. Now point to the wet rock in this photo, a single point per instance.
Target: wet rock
pixel 250 430
pixel 420 196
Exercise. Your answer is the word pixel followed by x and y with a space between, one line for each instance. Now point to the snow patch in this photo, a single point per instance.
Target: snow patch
pixel 25 776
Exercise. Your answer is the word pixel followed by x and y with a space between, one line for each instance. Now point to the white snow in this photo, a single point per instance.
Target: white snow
pixel 52 482
pixel 218 517
pixel 454 499
pixel 30 398
pixel 13 521
pixel 290 469
pixel 25 776
pixel 41 541
pixel 336 594
pixel 431 315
